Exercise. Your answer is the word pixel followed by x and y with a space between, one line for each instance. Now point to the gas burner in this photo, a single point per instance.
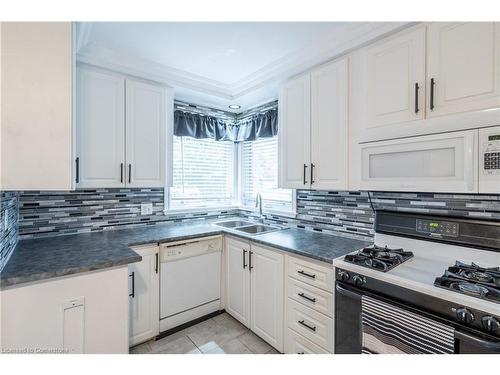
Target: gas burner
pixel 473 280
pixel 379 258
pixel 468 288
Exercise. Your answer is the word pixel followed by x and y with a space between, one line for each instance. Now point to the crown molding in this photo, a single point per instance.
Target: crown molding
pixel 341 41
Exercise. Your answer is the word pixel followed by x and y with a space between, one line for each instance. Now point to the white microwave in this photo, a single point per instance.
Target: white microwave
pixel 459 162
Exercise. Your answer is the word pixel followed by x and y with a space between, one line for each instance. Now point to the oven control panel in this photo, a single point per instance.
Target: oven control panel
pixel 491 154
pixel 437 228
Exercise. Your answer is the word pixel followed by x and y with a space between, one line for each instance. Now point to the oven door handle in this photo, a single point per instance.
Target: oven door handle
pixel 489 346
pixel 346 292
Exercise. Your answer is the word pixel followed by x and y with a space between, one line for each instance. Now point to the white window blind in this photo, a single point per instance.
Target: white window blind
pixel 259 174
pixel 202 173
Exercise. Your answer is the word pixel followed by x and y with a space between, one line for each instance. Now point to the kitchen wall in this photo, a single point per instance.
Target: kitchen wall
pixel 347 213
pixel 9 227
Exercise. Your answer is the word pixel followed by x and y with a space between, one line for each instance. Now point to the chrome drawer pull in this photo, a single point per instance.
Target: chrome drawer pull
pixel 306 274
pixel 311 299
pixel 301 322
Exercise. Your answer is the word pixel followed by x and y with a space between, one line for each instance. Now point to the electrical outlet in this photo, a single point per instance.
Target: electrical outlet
pixel 146 208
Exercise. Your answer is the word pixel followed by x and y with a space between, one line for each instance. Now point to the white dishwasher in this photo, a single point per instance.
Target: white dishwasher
pixel 190 280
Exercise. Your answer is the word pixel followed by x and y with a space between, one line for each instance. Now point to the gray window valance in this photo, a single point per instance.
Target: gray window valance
pixel 261 125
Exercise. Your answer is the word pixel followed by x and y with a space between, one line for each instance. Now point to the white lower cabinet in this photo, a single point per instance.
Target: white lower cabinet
pixel 255 289
pixel 83 313
pixel 267 293
pixel 144 296
pixel 237 280
pixel 309 307
pixel 298 344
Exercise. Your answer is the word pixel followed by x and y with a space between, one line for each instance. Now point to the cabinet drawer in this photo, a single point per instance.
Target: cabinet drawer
pixel 308 295
pixel 311 324
pixel 298 344
pixel 311 273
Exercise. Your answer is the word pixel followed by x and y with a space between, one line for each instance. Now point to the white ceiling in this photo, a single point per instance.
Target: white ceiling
pixel 219 63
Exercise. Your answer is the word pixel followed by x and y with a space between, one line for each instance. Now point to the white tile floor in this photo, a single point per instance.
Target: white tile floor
pixel 221 334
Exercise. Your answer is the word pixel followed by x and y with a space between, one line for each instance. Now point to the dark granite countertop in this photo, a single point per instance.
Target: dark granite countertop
pixel 45 258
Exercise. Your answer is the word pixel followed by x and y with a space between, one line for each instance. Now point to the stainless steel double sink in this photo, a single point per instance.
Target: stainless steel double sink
pixel 247 227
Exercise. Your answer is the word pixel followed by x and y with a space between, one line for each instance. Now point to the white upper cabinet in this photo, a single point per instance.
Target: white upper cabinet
pixel 37 71
pixel 123 126
pixel 100 129
pixel 329 91
pixel 395 79
pixel 295 133
pixel 463 62
pixel 313 129
pixel 146 134
pixel 432 78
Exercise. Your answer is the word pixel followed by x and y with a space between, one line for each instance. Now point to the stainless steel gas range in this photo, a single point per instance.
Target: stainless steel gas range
pixel 429 285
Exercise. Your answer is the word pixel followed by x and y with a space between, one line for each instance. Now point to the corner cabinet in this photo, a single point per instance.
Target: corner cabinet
pixel 313 129
pixel 122 127
pixel 255 289
pixel 144 295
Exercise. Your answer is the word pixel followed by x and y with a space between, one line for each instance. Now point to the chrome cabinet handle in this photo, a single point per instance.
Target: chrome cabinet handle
pixel 306 274
pixel 129 173
pixel 302 323
pixel 244 259
pixel 250 267
pixel 305 171
pixel 312 173
pixel 121 172
pixel 156 263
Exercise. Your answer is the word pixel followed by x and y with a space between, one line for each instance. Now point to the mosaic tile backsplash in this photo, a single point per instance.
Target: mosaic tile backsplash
pixel 9 227
pixel 43 214
pixel 347 213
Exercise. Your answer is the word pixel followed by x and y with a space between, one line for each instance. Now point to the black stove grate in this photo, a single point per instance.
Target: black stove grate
pixel 472 280
pixel 379 258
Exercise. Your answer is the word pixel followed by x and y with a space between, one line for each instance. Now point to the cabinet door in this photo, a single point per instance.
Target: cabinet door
pixel 37 61
pixel 100 129
pixel 394 67
pixel 435 163
pixel 329 127
pixel 295 133
pixel 267 295
pixel 238 280
pixel 463 59
pixel 145 296
pixel 146 134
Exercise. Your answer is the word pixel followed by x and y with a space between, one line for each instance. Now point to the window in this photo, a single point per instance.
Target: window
pixel 203 173
pixel 259 174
